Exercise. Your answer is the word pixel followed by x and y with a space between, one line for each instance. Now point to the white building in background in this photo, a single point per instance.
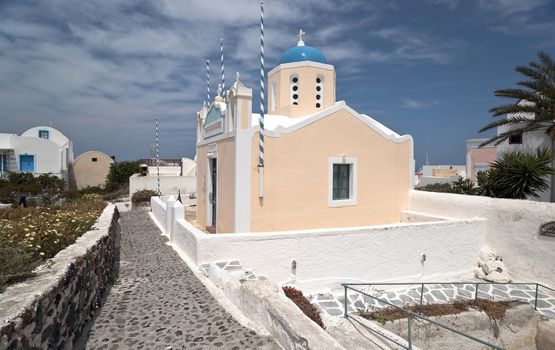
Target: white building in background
pixel 440 174
pixel 176 176
pixel 528 142
pixel 39 150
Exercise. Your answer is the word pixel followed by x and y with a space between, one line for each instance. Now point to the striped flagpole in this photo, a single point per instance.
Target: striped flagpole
pixel 261 143
pixel 157 160
pixel 208 80
pixel 222 61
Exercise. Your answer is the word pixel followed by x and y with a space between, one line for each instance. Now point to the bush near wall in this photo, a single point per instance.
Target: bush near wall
pixel 29 236
pixel 24 184
pixel 302 302
pixel 120 172
pixel 142 197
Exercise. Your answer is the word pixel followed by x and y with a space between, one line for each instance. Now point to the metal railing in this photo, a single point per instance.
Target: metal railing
pixel 412 315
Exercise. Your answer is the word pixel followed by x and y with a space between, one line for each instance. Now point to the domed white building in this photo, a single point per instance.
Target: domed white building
pixel 324 164
pixel 39 150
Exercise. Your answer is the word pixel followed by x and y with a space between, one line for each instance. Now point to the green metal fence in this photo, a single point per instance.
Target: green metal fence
pixel 412 315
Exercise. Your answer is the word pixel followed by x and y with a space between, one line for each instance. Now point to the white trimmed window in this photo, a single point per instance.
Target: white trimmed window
pixel 319 91
pixel 342 182
pixel 294 89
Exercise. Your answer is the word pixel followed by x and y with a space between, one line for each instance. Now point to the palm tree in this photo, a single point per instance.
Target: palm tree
pixel 517 175
pixel 534 108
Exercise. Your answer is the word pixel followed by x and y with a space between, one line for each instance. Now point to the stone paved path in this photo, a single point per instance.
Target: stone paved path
pixel 435 293
pixel 158 303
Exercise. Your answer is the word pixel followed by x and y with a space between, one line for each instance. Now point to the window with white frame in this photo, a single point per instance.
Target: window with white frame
pixel 342 181
pixel 295 89
pixel 44 134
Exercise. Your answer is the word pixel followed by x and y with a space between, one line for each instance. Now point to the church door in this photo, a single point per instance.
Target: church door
pixel 213 197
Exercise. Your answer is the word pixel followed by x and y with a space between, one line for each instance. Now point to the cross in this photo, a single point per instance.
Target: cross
pixel 301 33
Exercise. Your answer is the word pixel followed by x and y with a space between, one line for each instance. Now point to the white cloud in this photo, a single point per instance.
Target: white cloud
pixel 415 104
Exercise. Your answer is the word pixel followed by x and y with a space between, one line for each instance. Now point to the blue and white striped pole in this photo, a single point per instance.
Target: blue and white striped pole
pixel 261 122
pixel 222 61
pixel 157 161
pixel 208 81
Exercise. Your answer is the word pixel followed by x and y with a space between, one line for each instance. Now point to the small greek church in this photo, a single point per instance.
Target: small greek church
pixel 309 162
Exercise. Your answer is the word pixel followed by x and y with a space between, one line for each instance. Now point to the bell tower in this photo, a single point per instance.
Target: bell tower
pixel 303 83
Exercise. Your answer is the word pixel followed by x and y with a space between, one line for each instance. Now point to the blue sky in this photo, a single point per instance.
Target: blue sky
pixel 101 70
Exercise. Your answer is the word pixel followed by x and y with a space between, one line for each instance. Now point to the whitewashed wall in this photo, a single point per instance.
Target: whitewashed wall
pixel 158 209
pixel 327 257
pixel 168 184
pixel 165 171
pixel 511 229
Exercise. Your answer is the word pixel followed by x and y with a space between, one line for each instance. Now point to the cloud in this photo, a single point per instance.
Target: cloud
pixel 415 104
pixel 410 46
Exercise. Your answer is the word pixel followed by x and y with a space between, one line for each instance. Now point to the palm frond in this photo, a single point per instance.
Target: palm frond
pixel 532 73
pixel 514 108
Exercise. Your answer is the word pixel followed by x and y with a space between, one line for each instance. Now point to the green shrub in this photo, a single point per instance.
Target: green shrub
pixel 18 184
pixel 437 187
pixel 306 307
pixel 143 196
pixel 518 175
pixel 463 186
pixel 120 172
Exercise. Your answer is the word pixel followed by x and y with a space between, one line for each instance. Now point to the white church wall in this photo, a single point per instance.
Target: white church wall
pixel 511 229
pixel 326 258
pixel 168 184
pixel 158 210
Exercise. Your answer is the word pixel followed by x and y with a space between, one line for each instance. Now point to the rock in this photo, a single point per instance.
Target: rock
pixel 486 254
pixel 495 265
pixel 498 277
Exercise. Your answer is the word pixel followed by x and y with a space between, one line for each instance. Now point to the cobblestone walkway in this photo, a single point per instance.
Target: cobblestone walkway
pixel 158 303
pixel 435 293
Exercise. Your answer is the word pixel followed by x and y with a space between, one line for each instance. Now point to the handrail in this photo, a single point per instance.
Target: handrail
pixel 411 314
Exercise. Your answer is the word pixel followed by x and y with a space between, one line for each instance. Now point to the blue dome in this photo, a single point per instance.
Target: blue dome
pixel 302 53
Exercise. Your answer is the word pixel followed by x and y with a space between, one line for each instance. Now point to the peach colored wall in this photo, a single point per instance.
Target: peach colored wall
pixel 225 211
pixel 307 91
pixel 296 176
pixel 481 156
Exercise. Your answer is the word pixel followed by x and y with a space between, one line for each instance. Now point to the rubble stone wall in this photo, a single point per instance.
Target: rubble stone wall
pixel 50 310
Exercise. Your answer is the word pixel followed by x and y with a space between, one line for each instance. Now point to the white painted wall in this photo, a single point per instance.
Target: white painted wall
pixel 165 171
pixel 328 257
pixel 168 184
pixel 511 229
pixel 48 155
pixel 531 141
pixel 188 167
pixel 55 135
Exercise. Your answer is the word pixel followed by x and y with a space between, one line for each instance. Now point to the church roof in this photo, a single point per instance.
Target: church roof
pixel 303 53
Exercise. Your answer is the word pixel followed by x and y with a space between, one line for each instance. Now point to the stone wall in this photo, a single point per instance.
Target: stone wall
pixel 49 310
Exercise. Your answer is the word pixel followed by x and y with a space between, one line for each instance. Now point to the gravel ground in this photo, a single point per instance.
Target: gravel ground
pixel 158 303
